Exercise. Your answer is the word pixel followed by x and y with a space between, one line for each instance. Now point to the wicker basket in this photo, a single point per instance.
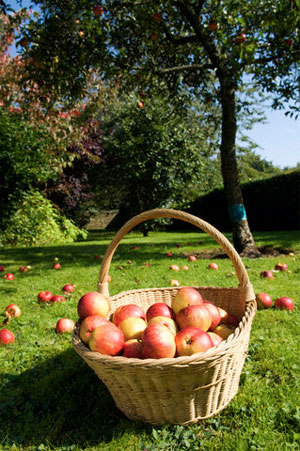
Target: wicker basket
pixel 179 390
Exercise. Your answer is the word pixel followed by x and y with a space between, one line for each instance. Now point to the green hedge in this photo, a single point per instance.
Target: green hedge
pixel 271 204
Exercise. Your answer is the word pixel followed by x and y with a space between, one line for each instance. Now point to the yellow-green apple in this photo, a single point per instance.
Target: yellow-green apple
pixel 213 265
pixel 6 337
pixel 45 296
pixel 158 342
pixel 284 303
pixel 64 325
pixel 168 322
pixel 12 311
pixel 191 340
pixel 107 339
pixel 194 315
pixel 93 303
pixel 57 298
pixel 175 267
pixel 192 258
pixel 215 314
pixel 216 339
pixel 281 266
pixel 159 309
pixel 55 259
pixel 263 301
pixel 133 349
pixel 224 331
pixel 174 283
pixel 132 327
pixel 185 296
pixel 127 311
pixel 88 325
pixel 267 274
pixel 9 276
pixel 228 318
pixel 68 288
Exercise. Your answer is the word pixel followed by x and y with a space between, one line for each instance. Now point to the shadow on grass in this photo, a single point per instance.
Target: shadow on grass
pixel 60 402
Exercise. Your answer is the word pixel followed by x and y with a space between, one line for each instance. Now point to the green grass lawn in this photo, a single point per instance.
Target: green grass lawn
pixel 51 400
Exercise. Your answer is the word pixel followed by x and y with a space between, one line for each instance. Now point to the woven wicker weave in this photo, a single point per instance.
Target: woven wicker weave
pixel 179 390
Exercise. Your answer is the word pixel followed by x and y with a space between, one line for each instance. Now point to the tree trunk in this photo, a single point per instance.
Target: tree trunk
pixel 242 238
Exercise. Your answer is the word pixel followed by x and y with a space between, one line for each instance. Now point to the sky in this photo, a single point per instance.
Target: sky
pixel 278 139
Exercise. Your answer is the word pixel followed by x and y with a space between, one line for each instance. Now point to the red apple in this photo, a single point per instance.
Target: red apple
pixel 185 296
pixel 2 269
pixel 57 298
pixel 227 318
pixel 169 254
pixel 192 258
pixel 132 327
pixel 215 314
pixel 88 325
pixel 175 267
pixel 191 340
pixel 6 337
pixel 97 10
pixel 23 269
pixel 9 276
pixel 185 267
pixel 281 266
pixel 140 104
pixel 213 26
pixel 45 296
pixel 267 274
pixel 194 315
pixel 107 339
pixel 159 309
pixel 224 331
pixel 157 17
pixel 56 266
pixel 216 339
pixel 240 38
pixel 12 311
pixel 263 301
pixel 213 266
pixel 158 342
pixel 68 288
pixel 64 325
pixel 127 311
pixel 93 303
pixel 167 322
pixel 284 303
pixel 133 349
pixel 178 245
pixel 134 247
pixel 174 283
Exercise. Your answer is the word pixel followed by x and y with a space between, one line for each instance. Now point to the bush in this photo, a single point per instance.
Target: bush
pixel 33 220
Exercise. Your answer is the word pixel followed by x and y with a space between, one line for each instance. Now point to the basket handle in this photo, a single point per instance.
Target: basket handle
pixel 244 283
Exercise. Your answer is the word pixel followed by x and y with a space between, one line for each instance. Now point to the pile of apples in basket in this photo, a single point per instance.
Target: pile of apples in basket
pixel 190 325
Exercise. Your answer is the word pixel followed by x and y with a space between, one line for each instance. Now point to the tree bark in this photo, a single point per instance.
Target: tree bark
pixel 242 237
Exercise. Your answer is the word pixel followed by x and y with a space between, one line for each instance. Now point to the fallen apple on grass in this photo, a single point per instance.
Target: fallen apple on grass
pixel 56 266
pixel 57 298
pixel 267 274
pixel 12 311
pixel 9 276
pixel 284 303
pixel 126 311
pixel 263 301
pixel 23 268
pixel 185 267
pixel 169 254
pixel 281 266
pixel 194 315
pixel 159 309
pixel 185 296
pixel 213 265
pixel 88 325
pixel 158 342
pixel 107 339
pixel 64 325
pixel 45 296
pixel 93 303
pixel 174 267
pixel 6 337
pixel 191 340
pixel 2 268
pixel 68 288
pixel 174 283
pixel 192 258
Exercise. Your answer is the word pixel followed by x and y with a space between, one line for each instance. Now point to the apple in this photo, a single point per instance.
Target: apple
pixel 174 283
pixel 88 325
pixel 267 274
pixel 263 301
pixel 169 254
pixel 178 245
pixel 215 314
pixel 2 269
pixel 158 342
pixel 284 303
pixel 185 267
pixel 132 327
pixel 93 303
pixel 134 247
pixel 57 298
pixel 133 349
pixel 12 311
pixel 68 288
pixel 159 309
pixel 97 10
pixel 64 325
pixel 165 321
pixel 227 318
pixel 55 259
pixel 213 266
pixel 192 258
pixel 213 26
pixel 191 340
pixel 185 296
pixel 194 315
pixel 45 296
pixel 240 38
pixel 175 267
pixel 140 104
pixel 281 266
pixel 6 337
pixel 126 311
pixel 224 330
pixel 216 339
pixel 157 17
pixel 56 266
pixel 107 339
pixel 23 269
pixel 9 276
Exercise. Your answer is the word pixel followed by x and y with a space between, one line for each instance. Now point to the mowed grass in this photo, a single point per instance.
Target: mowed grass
pixel 51 400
